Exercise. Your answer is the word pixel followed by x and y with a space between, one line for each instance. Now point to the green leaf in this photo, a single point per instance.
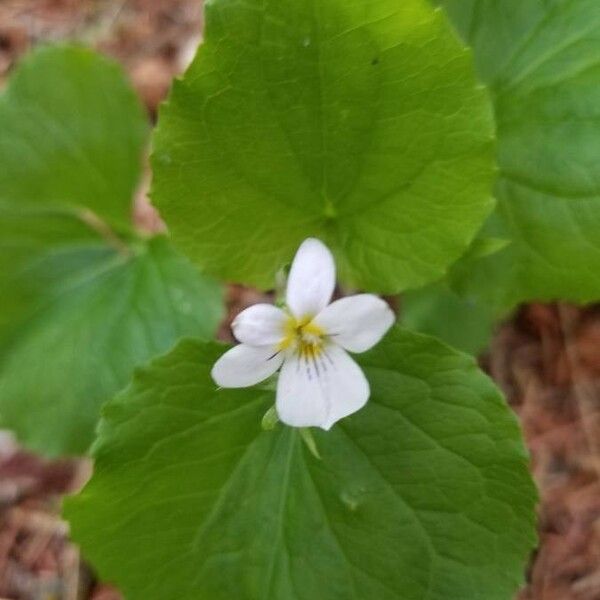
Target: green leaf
pixel 360 123
pixel 437 310
pixel 88 329
pixel 37 250
pixel 72 134
pixel 424 494
pixel 80 305
pixel 452 309
pixel 483 246
pixel 539 59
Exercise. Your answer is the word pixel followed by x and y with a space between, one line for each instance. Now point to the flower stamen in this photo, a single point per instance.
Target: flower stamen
pixel 304 337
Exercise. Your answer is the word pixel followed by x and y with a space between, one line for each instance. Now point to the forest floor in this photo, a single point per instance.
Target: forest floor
pixel 546 358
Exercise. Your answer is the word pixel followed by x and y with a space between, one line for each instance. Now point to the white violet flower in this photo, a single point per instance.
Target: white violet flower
pixel 319 382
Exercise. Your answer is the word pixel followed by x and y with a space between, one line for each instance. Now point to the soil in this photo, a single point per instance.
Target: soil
pixel 547 361
pixel 546 358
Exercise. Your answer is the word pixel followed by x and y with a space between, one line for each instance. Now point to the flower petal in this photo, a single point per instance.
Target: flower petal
pixel 260 325
pixel 356 323
pixel 320 392
pixel 312 279
pixel 243 365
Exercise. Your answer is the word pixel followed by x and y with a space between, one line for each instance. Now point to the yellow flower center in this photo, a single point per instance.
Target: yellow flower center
pixel 303 336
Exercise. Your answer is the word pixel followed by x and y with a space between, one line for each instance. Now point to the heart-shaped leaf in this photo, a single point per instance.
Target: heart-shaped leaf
pixel 360 123
pixel 424 494
pixel 80 303
pixel 72 134
pixel 101 314
pixel 540 61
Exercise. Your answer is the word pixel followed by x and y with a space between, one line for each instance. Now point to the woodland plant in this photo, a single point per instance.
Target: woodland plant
pixel 362 136
pixel 319 383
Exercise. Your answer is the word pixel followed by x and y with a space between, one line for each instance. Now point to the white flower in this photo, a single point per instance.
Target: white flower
pixel 319 382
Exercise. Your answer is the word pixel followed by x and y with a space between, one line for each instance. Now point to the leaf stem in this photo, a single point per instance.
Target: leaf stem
pixel 102 228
